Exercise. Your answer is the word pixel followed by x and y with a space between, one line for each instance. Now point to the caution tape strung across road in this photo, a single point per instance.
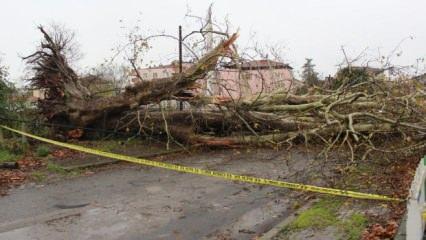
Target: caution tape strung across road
pixel 223 175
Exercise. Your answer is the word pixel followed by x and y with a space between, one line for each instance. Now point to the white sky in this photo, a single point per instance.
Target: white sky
pixel 307 28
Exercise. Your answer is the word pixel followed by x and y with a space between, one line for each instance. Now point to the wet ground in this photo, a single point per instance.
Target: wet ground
pixel 126 201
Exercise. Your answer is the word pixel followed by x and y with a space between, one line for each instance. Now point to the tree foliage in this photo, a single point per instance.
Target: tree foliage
pixel 6 89
pixel 13 101
pixel 309 75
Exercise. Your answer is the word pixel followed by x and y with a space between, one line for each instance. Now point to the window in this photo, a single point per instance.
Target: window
pixel 155 75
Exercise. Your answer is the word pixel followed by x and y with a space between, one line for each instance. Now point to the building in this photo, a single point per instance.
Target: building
pixel 231 80
pixel 156 72
pixel 252 77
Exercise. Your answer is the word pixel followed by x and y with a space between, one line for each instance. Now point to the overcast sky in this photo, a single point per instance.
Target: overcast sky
pixel 306 28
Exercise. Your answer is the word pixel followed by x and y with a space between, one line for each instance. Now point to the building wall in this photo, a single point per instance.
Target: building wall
pixel 148 74
pixel 236 84
pixel 158 72
pixel 230 82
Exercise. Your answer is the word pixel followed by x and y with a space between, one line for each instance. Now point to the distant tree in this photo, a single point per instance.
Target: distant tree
pixel 5 90
pixel 12 101
pixel 3 72
pixel 308 73
pixel 8 104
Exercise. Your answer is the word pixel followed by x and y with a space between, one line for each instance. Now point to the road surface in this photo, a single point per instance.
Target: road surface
pixel 127 201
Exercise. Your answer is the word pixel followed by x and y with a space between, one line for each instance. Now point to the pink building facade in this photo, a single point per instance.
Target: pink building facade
pixel 161 71
pixel 232 80
pixel 252 78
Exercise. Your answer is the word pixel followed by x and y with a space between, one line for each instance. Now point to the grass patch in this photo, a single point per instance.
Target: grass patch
pixel 320 215
pixel 8 156
pixel 55 168
pixel 38 176
pixel 115 145
pixel 353 226
pixel 75 172
pixel 108 145
pixel 324 213
pixel 42 151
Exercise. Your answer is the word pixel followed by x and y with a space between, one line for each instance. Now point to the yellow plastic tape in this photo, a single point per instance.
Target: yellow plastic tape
pixel 223 175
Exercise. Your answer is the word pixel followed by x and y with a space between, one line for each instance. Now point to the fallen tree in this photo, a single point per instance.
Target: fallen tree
pixel 68 99
pixel 359 115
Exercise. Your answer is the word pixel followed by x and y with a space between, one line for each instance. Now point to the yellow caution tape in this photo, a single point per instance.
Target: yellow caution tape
pixel 223 175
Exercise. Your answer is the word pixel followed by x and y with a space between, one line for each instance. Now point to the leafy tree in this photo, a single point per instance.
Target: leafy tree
pixel 12 102
pixel 5 91
pixel 308 73
pixel 4 99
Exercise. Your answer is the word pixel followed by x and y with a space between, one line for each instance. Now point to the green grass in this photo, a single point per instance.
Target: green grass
pixel 324 213
pixel 38 176
pixel 8 156
pixel 42 151
pixel 75 172
pixel 320 215
pixel 55 168
pixel 108 145
pixel 353 226
pixel 114 145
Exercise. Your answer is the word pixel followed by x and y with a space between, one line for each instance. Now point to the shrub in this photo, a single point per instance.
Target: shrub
pixel 7 156
pixel 42 151
pixel 15 146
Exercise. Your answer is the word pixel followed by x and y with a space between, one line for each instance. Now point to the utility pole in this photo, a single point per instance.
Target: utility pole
pixel 209 47
pixel 180 49
pixel 180 61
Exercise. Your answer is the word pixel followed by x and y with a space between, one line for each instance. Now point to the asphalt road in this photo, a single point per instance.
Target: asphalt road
pixel 126 201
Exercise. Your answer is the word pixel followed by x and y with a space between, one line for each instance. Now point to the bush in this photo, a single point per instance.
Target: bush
pixel 7 156
pixel 15 106
pixel 14 146
pixel 42 151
